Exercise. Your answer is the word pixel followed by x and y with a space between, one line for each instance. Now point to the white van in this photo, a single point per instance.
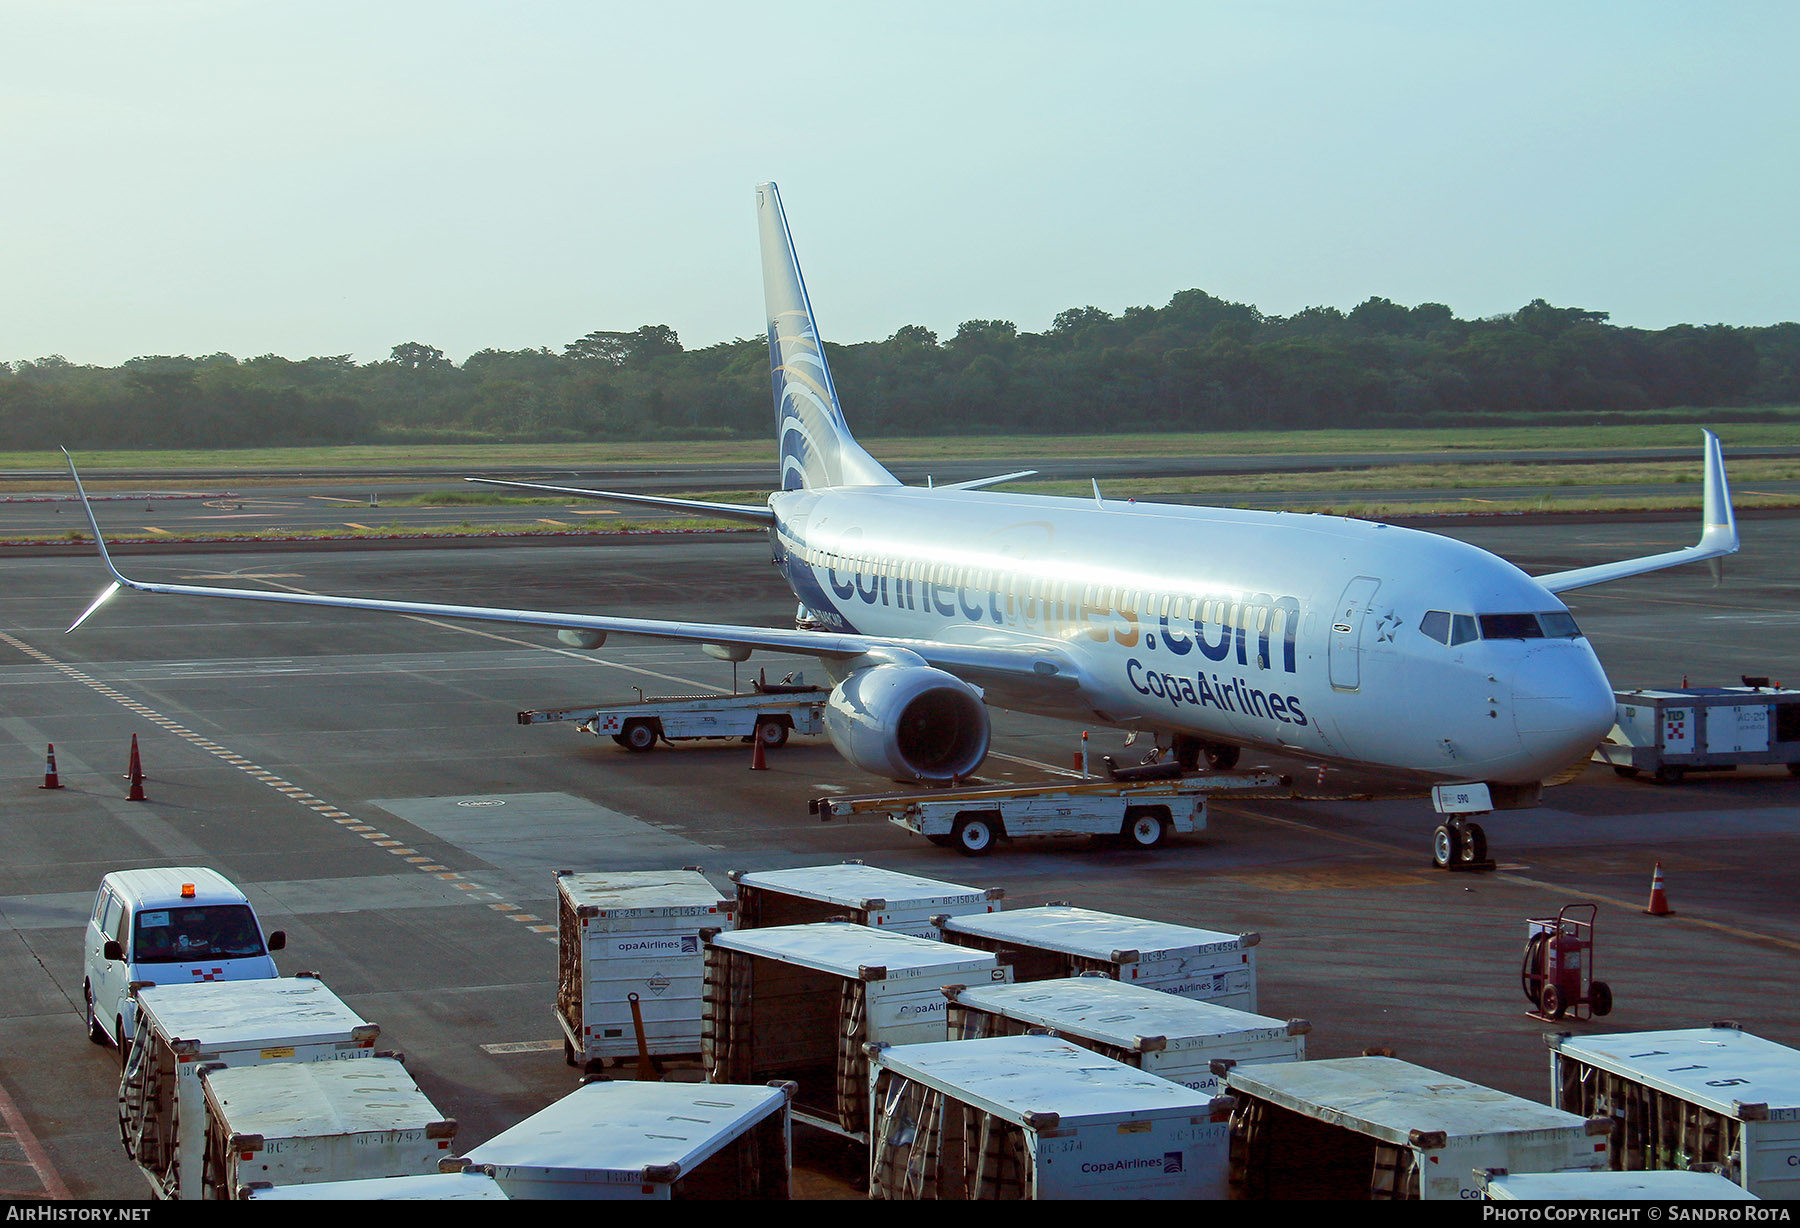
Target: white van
pixel 178 925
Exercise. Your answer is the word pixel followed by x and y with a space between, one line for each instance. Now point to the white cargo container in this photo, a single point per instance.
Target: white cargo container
pixel 1037 1117
pixel 1374 1127
pixel 1058 941
pixel 647 1141
pixel 866 895
pixel 799 1002
pixel 626 933
pixel 437 1187
pixel 162 1111
pixel 1667 1185
pixel 293 1123
pixel 1177 1039
pixel 1690 1096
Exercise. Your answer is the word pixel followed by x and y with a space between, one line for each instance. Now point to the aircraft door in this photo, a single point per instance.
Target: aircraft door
pixel 1347 620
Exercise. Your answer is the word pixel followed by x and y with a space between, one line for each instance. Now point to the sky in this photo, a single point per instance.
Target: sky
pixel 198 176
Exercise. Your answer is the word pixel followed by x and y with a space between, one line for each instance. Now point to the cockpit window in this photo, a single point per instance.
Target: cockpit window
pixel 1447 628
pixel 1510 627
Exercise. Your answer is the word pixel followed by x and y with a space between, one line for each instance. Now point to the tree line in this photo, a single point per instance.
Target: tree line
pixel 1198 363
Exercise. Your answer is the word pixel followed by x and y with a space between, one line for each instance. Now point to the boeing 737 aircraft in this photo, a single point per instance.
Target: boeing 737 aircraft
pixel 1332 640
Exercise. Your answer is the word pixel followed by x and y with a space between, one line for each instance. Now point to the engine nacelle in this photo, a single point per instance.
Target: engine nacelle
pixel 908 722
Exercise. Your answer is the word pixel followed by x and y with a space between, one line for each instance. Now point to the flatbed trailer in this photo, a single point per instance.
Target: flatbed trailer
pixel 769 713
pixel 972 820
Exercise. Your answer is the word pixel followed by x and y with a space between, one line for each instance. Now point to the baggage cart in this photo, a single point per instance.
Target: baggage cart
pixel 1669 732
pixel 1057 941
pixel 1665 1186
pixel 632 932
pixel 865 895
pixel 1377 1128
pixel 1715 1096
pixel 646 1141
pixel 1037 1117
pixel 1178 1039
pixel 294 1123
pixel 435 1187
pixel 799 1002
pixel 162 1110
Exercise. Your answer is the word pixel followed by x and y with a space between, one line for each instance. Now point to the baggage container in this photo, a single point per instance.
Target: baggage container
pixel 294 1123
pixel 1058 941
pixel 1671 731
pixel 1178 1039
pixel 1713 1096
pixel 435 1187
pixel 1037 1117
pixel 799 1002
pixel 162 1110
pixel 1667 1185
pixel 654 1141
pixel 866 895
pixel 1377 1128
pixel 625 933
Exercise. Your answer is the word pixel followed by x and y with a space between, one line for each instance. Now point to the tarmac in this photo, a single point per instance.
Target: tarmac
pixel 364 778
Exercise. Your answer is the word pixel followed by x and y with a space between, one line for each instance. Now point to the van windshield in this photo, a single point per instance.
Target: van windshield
pixel 180 935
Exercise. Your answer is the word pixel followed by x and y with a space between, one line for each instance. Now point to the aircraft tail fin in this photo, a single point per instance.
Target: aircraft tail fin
pixel 817 449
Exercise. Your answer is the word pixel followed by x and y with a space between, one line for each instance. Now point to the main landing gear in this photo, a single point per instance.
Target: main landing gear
pixel 1460 845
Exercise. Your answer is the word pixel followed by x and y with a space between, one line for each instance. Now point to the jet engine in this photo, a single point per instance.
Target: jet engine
pixel 908 722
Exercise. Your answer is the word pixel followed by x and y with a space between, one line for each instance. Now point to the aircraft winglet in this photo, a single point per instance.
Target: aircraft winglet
pixel 118 580
pixel 1718 534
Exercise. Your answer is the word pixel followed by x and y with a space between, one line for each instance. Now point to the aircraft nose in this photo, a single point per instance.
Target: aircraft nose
pixel 1563 705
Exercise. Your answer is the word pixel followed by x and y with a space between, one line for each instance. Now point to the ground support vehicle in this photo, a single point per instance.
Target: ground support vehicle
pixel 1187 1042
pixel 176 925
pixel 800 1002
pixel 1715 1096
pixel 1669 732
pixel 162 1109
pixel 769 714
pixel 865 895
pixel 1377 1128
pixel 1057 940
pixel 646 1142
pixel 972 821
pixel 295 1123
pixel 628 960
pixel 1036 1117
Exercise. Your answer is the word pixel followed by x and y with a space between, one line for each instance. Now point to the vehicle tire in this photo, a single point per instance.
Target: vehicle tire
pixel 1145 826
pixel 1187 752
pixel 1600 998
pixel 1221 757
pixel 1550 1001
pixel 619 738
pixel 1444 846
pixel 1474 845
pixel 974 835
pixel 1669 775
pixel 1793 769
pixel 772 732
pixel 124 1045
pixel 639 736
pixel 96 1033
pixel 1629 773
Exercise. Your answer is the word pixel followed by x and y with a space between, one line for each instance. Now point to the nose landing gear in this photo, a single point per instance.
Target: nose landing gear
pixel 1458 844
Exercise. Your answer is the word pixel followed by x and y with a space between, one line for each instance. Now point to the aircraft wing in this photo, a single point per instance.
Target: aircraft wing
pixel 724 511
pixel 1718 535
pixel 1040 665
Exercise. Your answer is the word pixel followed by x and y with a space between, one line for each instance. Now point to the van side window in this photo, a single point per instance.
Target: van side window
pixel 121 925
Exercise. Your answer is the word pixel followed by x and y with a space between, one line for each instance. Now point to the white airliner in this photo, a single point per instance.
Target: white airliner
pixel 1331 640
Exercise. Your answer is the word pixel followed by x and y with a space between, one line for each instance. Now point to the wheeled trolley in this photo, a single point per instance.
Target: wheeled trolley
pixel 1557 974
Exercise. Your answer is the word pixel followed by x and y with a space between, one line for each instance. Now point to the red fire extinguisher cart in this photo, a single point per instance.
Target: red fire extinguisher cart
pixel 1558 971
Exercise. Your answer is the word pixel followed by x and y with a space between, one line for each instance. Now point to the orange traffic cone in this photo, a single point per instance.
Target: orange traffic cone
pixel 1659 903
pixel 136 775
pixel 50 780
pixel 757 762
